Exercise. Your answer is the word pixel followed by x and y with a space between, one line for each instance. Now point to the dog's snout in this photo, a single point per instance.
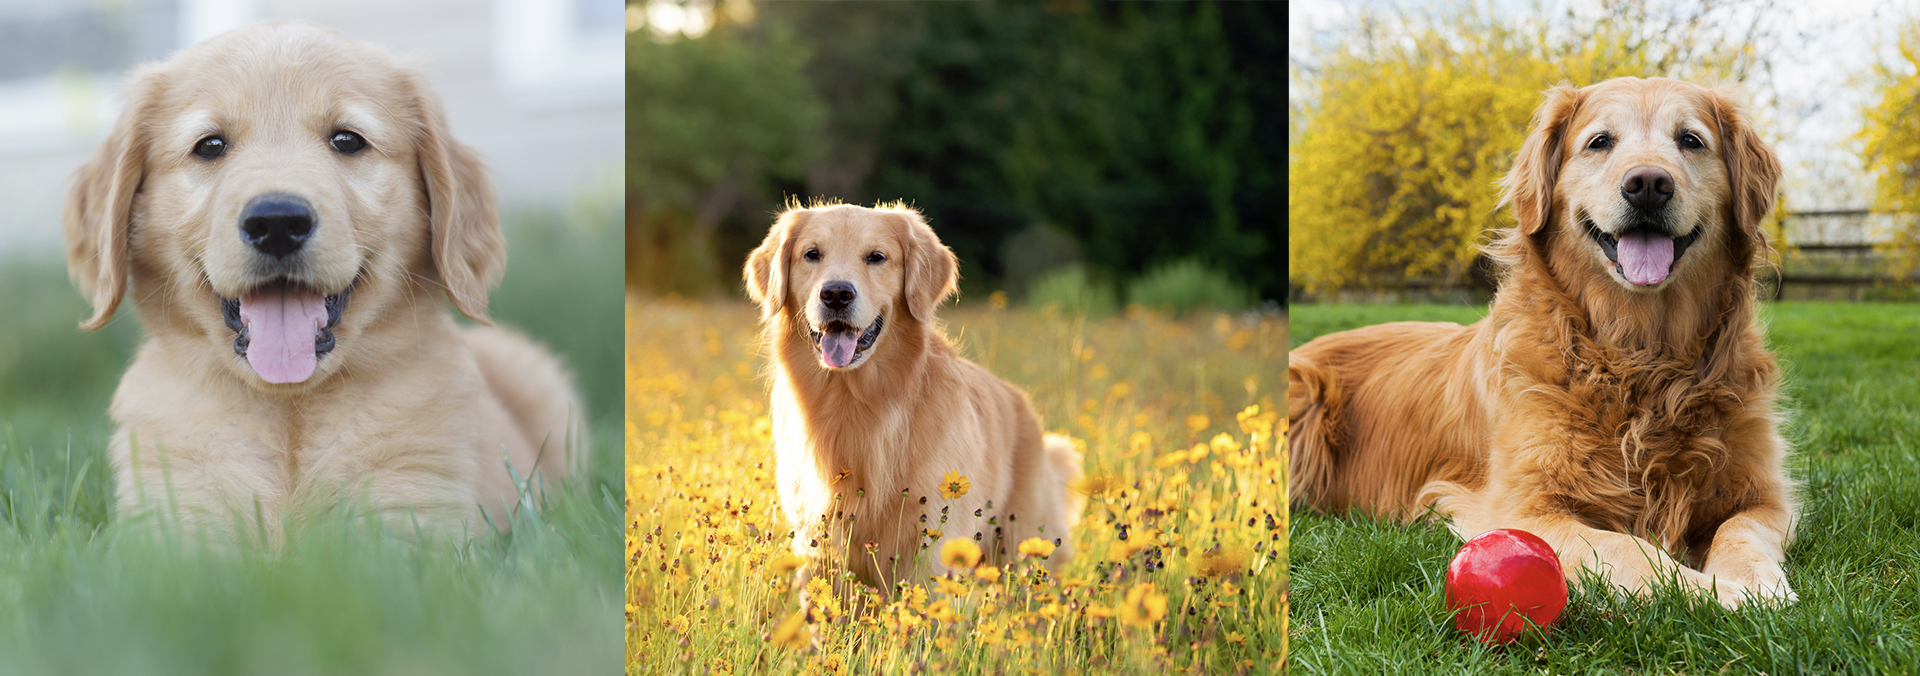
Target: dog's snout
pixel 1647 188
pixel 277 224
pixel 837 295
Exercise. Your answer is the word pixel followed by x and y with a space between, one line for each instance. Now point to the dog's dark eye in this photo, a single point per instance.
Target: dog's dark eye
pixel 1691 142
pixel 811 254
pixel 876 258
pixel 348 142
pixel 210 147
pixel 1601 142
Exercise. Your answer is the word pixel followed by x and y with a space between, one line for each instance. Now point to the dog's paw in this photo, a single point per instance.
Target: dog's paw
pixel 1771 593
pixel 1730 594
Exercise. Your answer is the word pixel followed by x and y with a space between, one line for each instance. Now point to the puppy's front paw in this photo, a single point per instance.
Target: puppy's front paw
pixel 1730 594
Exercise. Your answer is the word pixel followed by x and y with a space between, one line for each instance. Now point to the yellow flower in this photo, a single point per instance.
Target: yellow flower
pixel 1095 484
pixel 1216 562
pixel 953 485
pixel 785 564
pixel 1099 611
pixel 1197 422
pixel 941 611
pixel 959 553
pixel 1125 549
pixel 950 587
pixel 834 664
pixel 1144 606
pixel 1236 637
pixel 988 573
pixel 1036 547
pixel 793 632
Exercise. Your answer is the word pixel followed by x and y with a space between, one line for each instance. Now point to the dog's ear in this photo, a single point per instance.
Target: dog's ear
pixel 932 272
pixel 1528 188
pixel 766 269
pixel 98 217
pixel 1752 168
pixel 469 251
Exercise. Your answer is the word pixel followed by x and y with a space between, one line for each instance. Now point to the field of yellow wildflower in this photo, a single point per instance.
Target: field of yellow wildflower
pixel 1182 558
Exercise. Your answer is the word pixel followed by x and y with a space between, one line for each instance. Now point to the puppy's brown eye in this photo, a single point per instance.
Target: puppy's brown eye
pixel 876 258
pixel 1601 142
pixel 1691 142
pixel 210 147
pixel 811 254
pixel 348 142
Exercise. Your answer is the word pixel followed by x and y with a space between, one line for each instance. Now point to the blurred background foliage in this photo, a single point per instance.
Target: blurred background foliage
pixel 1892 146
pixel 1402 132
pixel 1131 149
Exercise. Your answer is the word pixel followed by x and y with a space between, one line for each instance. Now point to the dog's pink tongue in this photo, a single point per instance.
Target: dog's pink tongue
pixel 281 324
pixel 836 348
pixel 1645 257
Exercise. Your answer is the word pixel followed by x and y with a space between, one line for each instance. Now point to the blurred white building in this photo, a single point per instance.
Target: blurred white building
pixel 536 86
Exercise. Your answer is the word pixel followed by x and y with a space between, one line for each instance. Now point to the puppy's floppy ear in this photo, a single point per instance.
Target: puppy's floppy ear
pixel 1752 168
pixel 469 251
pixel 98 216
pixel 1528 188
pixel 932 272
pixel 766 269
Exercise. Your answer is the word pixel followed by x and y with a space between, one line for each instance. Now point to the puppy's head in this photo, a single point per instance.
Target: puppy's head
pixel 1647 178
pixel 272 192
pixel 841 273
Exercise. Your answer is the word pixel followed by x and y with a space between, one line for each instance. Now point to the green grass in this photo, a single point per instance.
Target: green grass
pixel 84 593
pixel 1368 595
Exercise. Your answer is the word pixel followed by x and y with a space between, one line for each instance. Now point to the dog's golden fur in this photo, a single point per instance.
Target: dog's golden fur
pixel 408 414
pixel 906 410
pixel 1630 425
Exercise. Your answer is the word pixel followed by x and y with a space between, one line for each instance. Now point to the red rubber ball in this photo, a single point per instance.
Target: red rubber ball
pixel 1502 579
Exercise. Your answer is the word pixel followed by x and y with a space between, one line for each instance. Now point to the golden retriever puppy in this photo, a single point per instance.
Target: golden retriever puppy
pixel 872 407
pixel 286 206
pixel 1617 400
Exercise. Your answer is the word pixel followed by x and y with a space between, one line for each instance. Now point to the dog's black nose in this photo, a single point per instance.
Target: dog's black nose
pixel 1647 188
pixel 837 295
pixel 276 224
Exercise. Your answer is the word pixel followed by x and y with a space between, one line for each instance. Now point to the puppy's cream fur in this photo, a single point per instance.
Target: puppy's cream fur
pixel 409 414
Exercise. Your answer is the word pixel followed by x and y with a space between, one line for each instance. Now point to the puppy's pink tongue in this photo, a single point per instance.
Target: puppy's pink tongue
pixel 1645 257
pixel 836 348
pixel 281 323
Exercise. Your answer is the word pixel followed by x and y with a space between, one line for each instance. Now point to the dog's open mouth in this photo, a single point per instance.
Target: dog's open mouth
pixel 840 344
pixel 1645 254
pixel 282 328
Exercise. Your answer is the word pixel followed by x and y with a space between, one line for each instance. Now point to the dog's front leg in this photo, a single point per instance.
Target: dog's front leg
pixel 1625 561
pixel 1749 549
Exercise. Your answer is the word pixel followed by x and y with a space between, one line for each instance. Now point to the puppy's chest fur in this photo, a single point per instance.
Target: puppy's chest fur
pixel 387 443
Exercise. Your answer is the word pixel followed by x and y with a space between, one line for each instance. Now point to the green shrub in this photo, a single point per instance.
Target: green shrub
pixel 1072 291
pixel 1185 285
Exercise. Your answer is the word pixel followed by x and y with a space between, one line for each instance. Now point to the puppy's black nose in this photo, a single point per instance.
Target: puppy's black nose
pixel 1647 188
pixel 276 224
pixel 837 295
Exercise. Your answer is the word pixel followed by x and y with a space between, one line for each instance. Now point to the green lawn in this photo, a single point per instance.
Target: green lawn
pixel 1367 595
pixel 82 593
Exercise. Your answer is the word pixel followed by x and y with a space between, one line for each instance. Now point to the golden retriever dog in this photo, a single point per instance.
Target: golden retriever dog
pixel 286 206
pixel 872 406
pixel 1617 400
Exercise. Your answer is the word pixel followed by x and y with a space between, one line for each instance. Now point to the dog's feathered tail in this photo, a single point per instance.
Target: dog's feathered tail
pixel 1315 434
